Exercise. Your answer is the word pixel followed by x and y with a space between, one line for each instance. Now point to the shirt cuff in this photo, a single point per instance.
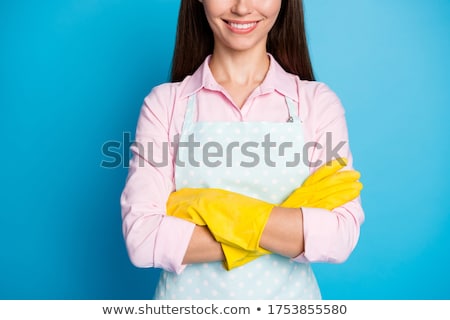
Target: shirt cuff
pixel 172 242
pixel 318 228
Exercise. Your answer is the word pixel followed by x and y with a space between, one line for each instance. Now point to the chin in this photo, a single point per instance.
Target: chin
pixel 242 46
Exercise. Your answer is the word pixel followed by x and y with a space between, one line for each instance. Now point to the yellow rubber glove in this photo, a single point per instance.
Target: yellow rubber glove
pixel 237 221
pixel 233 219
pixel 193 204
pixel 327 188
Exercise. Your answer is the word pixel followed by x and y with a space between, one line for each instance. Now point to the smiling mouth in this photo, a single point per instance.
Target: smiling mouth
pixel 241 26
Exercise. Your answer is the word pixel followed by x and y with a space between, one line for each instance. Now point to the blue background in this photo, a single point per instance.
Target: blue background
pixel 73 75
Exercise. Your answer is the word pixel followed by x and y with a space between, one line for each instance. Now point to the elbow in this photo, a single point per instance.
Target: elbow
pixel 139 253
pixel 341 257
pixel 343 245
pixel 140 243
pixel 138 260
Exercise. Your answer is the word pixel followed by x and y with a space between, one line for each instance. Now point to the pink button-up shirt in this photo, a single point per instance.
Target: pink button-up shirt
pixel 154 239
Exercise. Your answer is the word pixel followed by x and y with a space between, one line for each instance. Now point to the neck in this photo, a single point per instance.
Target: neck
pixel 239 67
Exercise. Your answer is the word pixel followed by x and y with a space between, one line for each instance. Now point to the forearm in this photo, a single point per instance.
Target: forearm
pixel 203 247
pixel 283 233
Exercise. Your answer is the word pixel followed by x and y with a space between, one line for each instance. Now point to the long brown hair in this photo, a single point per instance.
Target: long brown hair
pixel 286 41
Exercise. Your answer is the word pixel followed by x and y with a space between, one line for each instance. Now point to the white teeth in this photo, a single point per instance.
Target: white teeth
pixel 242 26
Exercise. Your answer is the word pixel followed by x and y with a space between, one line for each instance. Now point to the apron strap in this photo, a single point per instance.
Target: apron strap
pixel 292 110
pixel 189 115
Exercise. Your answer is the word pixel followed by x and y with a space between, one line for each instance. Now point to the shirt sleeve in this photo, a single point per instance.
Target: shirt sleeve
pixel 330 236
pixel 153 239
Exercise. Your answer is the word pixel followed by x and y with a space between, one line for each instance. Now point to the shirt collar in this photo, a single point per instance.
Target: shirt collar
pixel 277 79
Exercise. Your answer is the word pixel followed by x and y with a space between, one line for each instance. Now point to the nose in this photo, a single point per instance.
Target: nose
pixel 242 7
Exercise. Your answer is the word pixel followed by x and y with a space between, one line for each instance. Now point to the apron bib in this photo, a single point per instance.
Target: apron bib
pixel 258 159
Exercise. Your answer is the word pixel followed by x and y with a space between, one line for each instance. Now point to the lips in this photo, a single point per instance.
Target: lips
pixel 241 26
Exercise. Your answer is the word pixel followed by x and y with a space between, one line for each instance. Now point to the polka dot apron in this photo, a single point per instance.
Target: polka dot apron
pixel 258 159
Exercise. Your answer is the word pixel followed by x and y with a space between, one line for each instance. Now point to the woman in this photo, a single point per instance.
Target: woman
pixel 242 114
